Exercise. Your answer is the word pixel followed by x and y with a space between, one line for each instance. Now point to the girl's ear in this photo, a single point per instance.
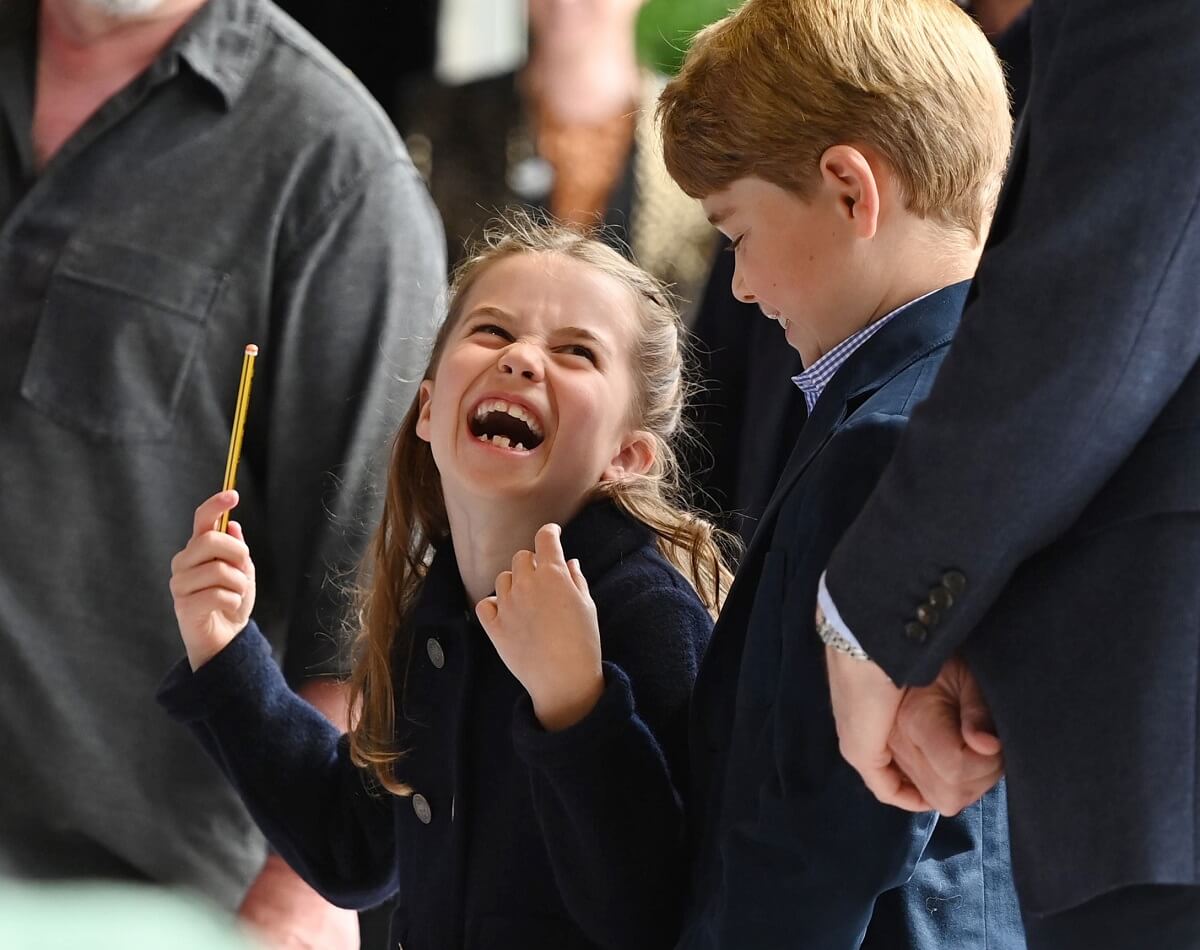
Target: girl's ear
pixel 636 457
pixel 850 178
pixel 425 395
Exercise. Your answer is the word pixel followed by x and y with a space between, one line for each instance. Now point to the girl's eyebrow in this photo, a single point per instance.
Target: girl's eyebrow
pixel 487 310
pixel 582 333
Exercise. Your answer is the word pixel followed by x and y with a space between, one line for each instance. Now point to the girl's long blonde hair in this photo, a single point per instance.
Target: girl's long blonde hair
pixel 414 511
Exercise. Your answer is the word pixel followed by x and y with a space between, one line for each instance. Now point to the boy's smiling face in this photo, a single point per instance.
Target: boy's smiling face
pixel 804 262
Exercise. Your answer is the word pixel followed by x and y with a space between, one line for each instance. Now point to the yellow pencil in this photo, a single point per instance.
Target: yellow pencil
pixel 239 424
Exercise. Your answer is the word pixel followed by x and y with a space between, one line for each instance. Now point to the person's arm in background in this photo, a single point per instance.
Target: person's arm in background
pixel 357 300
pixel 1082 329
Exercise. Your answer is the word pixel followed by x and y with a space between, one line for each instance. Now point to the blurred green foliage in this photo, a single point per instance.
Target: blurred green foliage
pixel 666 27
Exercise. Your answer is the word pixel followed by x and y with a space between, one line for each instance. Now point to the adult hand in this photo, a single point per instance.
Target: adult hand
pixel 865 703
pixel 944 741
pixel 212 581
pixel 542 622
pixel 284 913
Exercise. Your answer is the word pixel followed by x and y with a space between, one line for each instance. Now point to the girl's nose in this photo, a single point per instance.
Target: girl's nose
pixel 522 359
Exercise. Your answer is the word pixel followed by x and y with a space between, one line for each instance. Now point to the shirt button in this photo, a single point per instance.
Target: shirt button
pixel 954 581
pixel 915 632
pixel 437 656
pixel 421 809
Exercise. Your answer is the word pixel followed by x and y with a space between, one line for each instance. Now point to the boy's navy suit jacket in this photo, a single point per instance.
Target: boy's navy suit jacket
pixel 790 848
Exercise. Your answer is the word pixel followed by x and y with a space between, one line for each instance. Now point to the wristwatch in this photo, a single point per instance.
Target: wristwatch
pixel 833 638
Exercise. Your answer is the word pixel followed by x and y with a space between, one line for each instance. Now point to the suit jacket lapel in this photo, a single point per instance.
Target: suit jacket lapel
pixel 925 326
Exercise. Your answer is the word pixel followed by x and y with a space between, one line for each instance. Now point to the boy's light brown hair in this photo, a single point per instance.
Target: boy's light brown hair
pixel 765 91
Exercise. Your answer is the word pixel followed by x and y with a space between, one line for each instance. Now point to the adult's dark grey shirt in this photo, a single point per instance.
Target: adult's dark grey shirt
pixel 243 189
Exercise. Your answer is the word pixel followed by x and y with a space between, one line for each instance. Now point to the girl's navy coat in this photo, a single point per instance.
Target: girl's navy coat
pixel 513 837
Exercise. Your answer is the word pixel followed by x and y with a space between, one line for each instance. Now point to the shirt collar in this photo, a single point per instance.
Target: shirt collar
pixel 221 44
pixel 815 378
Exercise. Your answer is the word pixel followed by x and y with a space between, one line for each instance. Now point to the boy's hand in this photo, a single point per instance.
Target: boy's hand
pixel 944 740
pixel 543 624
pixel 212 581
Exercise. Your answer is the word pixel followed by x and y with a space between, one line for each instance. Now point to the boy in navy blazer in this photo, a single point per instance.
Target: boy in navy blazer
pixel 852 151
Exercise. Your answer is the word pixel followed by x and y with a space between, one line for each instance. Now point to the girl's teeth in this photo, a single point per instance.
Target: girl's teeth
pixel 499 405
pixel 520 447
pixel 501 440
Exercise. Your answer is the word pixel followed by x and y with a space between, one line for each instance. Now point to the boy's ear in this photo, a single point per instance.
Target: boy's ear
pixel 850 178
pixel 636 457
pixel 425 402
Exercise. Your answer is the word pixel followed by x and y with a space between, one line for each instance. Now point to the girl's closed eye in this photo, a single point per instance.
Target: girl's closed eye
pixel 491 329
pixel 578 349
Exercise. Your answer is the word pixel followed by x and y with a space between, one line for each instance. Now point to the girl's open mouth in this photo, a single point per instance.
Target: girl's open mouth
pixel 506 425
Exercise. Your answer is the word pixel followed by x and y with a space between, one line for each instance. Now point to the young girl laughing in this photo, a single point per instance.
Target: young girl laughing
pixel 515 773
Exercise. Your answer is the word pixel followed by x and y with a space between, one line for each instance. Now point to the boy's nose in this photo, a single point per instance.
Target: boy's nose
pixel 740 290
pixel 521 359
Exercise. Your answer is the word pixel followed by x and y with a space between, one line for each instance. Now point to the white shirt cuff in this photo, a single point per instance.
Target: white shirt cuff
pixel 829 609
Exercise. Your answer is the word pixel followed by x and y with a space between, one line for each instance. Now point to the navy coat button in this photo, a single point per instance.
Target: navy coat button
pixel 954 581
pixel 941 598
pixel 928 615
pixel 422 810
pixel 437 656
pixel 916 632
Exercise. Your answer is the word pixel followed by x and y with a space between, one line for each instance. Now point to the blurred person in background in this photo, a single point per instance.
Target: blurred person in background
pixel 179 178
pixel 566 129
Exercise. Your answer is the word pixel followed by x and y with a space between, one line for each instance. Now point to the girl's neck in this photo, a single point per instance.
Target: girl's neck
pixel 487 533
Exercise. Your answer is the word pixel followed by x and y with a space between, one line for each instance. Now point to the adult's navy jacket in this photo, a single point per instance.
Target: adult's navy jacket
pixel 792 850
pixel 514 837
pixel 1056 466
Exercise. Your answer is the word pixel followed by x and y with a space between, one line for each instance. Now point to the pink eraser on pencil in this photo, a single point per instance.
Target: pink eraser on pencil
pixel 251 349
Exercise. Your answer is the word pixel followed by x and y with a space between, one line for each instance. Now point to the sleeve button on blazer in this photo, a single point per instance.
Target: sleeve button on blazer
pixel 928 615
pixel 941 598
pixel 954 581
pixel 915 632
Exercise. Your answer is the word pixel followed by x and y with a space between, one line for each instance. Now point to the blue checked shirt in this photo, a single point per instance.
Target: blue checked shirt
pixel 815 378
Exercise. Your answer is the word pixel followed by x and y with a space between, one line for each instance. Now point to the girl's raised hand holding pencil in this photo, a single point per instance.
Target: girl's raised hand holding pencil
pixel 212 581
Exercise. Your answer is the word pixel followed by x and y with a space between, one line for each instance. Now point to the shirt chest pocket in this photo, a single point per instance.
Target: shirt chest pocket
pixel 117 336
